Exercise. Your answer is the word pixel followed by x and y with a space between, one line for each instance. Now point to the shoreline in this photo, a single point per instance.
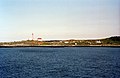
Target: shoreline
pixel 116 46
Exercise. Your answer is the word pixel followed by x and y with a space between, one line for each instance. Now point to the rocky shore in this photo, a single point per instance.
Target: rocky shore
pixel 107 42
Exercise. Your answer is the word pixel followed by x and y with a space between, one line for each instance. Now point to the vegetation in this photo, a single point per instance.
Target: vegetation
pixel 112 41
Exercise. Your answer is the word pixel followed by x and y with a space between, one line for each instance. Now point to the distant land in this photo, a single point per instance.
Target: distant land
pixel 111 41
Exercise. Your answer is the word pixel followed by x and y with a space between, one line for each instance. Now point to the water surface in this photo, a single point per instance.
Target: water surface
pixel 64 62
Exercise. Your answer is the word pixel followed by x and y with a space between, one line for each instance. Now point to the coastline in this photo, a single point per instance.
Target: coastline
pixel 116 46
pixel 107 42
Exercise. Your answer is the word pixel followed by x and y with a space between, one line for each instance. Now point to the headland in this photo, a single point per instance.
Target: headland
pixel 107 42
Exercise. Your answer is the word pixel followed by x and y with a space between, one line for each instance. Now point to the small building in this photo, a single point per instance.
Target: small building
pixel 98 42
pixel 66 42
pixel 39 39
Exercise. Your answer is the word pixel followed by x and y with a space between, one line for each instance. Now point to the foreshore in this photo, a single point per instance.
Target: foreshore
pixel 117 46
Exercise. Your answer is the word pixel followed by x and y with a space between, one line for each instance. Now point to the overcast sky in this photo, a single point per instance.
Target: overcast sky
pixel 59 19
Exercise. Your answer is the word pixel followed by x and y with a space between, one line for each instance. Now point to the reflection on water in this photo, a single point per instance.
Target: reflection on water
pixel 67 62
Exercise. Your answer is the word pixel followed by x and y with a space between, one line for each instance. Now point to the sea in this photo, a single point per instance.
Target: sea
pixel 60 62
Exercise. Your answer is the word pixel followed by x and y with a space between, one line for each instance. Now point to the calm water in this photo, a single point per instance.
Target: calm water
pixel 68 62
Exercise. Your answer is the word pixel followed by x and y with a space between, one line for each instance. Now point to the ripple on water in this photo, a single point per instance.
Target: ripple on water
pixel 72 62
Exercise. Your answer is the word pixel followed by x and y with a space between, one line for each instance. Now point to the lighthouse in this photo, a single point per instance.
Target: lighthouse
pixel 32 36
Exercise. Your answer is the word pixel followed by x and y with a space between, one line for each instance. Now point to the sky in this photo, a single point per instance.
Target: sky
pixel 59 19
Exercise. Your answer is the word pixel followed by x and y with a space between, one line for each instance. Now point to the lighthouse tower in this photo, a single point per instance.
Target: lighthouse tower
pixel 32 36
